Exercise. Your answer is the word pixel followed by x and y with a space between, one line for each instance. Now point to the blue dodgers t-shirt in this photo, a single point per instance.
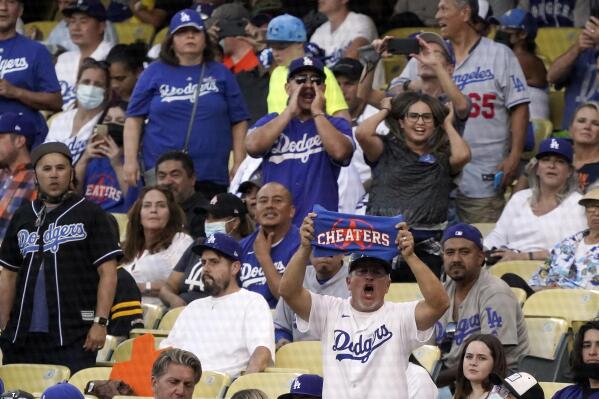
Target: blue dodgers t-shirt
pixel 343 232
pixel 580 86
pixel 101 186
pixel 299 161
pixel 165 93
pixel 27 64
pixel 252 276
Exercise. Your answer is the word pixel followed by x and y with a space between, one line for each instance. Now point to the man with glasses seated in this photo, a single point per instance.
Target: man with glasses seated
pixel 302 147
pixel 479 303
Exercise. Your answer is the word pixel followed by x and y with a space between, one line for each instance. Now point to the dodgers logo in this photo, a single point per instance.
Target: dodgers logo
pixel 53 238
pixel 358 232
pixel 363 348
pixel 170 93
pixel 9 65
pixel 470 325
pixel 250 275
pixel 287 149
pixel 472 77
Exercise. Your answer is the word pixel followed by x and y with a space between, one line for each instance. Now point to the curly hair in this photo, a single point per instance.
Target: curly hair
pixel 463 386
pixel 135 241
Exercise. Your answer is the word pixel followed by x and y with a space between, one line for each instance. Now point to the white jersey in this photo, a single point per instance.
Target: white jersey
pixel 493 80
pixel 334 43
pixel 365 355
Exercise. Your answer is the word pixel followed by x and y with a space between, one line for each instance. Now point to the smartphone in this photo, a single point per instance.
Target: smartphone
pixel 368 54
pixel 403 46
pixel 100 132
pixel 497 180
pixel 595 8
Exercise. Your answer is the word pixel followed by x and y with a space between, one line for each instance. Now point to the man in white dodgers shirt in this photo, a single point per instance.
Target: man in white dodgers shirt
pixel 366 341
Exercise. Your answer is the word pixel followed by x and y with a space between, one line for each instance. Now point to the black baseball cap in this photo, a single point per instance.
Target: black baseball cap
pixel 92 8
pixel 360 258
pixel 49 148
pixel 348 67
pixel 224 205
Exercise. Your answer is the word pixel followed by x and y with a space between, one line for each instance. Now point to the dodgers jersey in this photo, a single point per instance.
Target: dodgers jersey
pixel 365 355
pixel 493 80
pixel 299 161
pixel 251 274
pixel 27 64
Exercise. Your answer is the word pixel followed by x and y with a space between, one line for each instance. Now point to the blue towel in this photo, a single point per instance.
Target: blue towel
pixel 336 233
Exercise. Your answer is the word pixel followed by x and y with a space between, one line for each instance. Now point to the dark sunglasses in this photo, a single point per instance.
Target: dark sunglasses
pixel 300 80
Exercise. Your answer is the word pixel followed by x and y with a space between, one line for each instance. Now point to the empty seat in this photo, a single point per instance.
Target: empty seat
pixel 523 268
pixel 82 377
pixel 33 378
pixel 305 355
pixel 566 303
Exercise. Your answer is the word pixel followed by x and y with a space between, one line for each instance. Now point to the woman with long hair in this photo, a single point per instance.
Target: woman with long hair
pixel 536 219
pixel 154 241
pixel 482 355
pixel 187 101
pixel 413 167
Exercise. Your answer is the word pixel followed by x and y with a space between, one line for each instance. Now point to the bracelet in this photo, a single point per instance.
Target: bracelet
pixel 530 256
pixel 319 114
pixel 148 286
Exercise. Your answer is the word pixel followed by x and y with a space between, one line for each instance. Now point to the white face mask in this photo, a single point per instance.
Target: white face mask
pixel 216 227
pixel 90 97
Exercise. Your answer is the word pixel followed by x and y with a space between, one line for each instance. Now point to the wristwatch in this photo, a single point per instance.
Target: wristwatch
pixel 103 321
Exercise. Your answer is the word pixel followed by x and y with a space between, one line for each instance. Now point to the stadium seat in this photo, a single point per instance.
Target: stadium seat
pixel 553 42
pixel 122 353
pixel 110 345
pixel 160 36
pixel 285 370
pixel 428 356
pixel 550 388
pixel 523 268
pixel 305 355
pixel 82 377
pixel 569 304
pixel 152 314
pixel 212 385
pixel 403 292
pixel 542 129
pixel 547 338
pixel 520 295
pixel 45 27
pixel 164 326
pixel 484 228
pixel 556 107
pixel 122 220
pixel 33 378
pixel 273 384
pixel 128 33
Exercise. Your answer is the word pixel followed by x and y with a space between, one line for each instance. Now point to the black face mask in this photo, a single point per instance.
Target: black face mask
pixel 116 132
pixel 590 370
pixel 503 37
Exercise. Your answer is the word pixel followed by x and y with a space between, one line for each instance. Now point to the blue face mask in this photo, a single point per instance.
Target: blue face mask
pixel 90 97
pixel 216 227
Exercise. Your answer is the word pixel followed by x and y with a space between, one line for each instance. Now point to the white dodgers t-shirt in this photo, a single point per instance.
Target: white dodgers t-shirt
pixel 365 355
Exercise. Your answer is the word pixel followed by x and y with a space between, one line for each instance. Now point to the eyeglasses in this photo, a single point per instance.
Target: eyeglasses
pixel 413 117
pixel 300 80
pixel 374 272
pixel 92 63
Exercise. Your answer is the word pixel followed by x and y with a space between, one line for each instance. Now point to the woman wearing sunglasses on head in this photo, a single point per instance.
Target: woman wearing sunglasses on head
pixel 413 167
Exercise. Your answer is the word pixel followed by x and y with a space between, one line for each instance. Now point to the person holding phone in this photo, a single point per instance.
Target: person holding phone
pixel 101 165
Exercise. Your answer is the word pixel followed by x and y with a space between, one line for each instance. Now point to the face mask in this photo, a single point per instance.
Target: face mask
pixel 116 132
pixel 90 97
pixel 216 227
pixel 503 37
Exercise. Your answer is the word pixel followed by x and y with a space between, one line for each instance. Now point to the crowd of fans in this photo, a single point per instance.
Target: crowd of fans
pixel 219 142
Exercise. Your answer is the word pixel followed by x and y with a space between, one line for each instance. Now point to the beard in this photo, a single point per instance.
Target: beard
pixel 212 288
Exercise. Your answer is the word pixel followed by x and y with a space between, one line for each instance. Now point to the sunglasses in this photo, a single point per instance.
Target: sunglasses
pixel 300 80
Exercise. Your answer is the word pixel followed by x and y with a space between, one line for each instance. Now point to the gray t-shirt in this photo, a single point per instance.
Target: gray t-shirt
pixel 284 316
pixel 489 308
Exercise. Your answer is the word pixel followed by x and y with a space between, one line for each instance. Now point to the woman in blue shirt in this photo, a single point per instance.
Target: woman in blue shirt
pixel 162 105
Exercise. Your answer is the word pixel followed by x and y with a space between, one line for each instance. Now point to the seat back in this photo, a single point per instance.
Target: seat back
pixel 128 33
pixel 305 355
pixel 33 378
pixel 556 107
pixel 566 303
pixel 523 268
pixel 403 292
pixel 168 320
pixel 122 220
pixel 520 295
pixel 45 27
pixel 122 353
pixel 152 314
pixel 82 377
pixel 429 356
pixel 109 347
pixel 272 384
pixel 212 385
pixel 484 228
pixel 550 388
pixel 160 36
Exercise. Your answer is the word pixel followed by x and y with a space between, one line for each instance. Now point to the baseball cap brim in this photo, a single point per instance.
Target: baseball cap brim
pixel 50 148
pixel 190 24
pixel 307 68
pixel 360 259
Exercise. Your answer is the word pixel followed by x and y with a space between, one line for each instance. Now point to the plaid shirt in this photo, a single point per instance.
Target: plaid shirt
pixel 16 188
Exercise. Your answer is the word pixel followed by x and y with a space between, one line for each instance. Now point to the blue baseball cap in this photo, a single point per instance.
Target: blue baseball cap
pixel 517 18
pixel 62 390
pixel 286 28
pixel 556 146
pixel 16 124
pixel 306 64
pixel 463 230
pixel 305 384
pixel 185 18
pixel 91 8
pixel 219 242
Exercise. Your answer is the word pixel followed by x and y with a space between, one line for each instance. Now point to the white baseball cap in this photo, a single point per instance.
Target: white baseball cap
pixel 521 385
